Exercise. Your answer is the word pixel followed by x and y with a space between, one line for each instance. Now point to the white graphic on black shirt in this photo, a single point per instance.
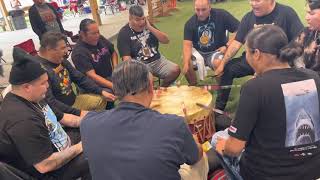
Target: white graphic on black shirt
pixel 206 35
pixel 146 48
pixel 302 113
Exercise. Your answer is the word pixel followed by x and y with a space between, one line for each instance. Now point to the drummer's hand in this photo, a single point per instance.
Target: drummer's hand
pixel 221 142
pixel 195 137
pixel 108 96
pixel 219 71
pixel 148 25
pixel 222 49
pixel 83 113
pixel 254 76
pixel 185 68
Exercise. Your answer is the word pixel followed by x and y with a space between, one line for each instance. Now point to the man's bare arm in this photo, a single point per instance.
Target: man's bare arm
pixel 59 159
pixel 232 50
pixel 187 52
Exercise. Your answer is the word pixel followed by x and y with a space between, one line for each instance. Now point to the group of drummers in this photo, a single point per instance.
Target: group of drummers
pixel 59 120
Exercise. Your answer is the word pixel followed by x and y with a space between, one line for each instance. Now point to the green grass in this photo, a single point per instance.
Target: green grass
pixel 173 26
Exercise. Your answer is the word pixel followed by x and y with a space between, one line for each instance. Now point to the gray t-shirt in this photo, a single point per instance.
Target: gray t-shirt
pixel 48 17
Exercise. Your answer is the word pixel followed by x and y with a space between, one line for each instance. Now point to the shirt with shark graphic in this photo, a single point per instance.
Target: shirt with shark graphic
pixel 278 117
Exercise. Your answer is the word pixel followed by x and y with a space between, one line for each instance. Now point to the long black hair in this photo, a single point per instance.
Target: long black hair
pixel 271 39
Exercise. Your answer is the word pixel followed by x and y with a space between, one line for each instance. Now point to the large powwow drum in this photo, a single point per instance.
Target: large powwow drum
pixel 182 101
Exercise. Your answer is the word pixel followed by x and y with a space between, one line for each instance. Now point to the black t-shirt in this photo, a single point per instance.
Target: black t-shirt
pixel 142 46
pixel 24 135
pixel 209 35
pixel 137 142
pixel 86 57
pixel 59 81
pixel 61 76
pixel 282 16
pixel 279 118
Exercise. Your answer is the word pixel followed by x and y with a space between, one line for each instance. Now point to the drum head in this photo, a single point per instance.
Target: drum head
pixel 174 99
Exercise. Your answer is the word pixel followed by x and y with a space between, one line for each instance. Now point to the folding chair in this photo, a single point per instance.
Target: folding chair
pixel 207 68
pixel 112 5
pixel 28 46
pixel 74 39
pixel 73 7
pixel 58 9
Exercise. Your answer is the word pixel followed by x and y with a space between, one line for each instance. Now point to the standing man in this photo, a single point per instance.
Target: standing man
pixel 94 55
pixel 44 18
pixel 263 12
pixel 205 38
pixel 139 40
pixel 134 142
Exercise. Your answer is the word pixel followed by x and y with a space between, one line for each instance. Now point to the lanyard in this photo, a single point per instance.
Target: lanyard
pixel 144 32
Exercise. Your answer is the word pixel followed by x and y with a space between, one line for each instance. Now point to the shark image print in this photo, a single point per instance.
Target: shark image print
pixel 57 135
pixel 302 113
pixel 206 35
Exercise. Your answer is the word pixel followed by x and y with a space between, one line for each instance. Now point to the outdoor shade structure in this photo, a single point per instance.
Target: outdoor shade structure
pixel 4 12
pixel 94 11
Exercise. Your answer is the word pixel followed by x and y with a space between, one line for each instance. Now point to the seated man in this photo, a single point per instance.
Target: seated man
pixel 277 120
pixel 62 74
pixel 205 38
pixel 94 55
pixel 134 142
pixel 310 38
pixel 139 40
pixel 263 12
pixel 31 136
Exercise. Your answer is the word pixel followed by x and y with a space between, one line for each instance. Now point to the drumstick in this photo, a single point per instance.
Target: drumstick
pixel 215 87
pixel 184 109
pixel 179 81
pixel 154 105
pixel 213 109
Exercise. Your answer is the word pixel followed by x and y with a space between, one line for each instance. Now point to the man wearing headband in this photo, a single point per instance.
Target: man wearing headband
pixel 31 136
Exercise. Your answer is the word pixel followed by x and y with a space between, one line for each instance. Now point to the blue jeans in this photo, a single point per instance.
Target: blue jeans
pixel 229 164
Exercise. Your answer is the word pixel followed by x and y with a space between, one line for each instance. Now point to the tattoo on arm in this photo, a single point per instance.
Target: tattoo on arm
pixel 230 53
pixel 58 159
